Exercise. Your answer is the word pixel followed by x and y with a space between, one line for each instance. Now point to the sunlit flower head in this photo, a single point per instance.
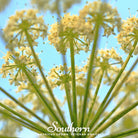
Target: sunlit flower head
pixel 57 77
pixel 102 12
pixel 71 27
pixel 107 61
pixel 22 21
pixel 15 61
pixel 129 34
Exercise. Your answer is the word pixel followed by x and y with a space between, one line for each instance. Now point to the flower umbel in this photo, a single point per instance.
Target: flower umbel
pixel 105 61
pixel 72 27
pixel 21 21
pixel 15 61
pixel 129 34
pixel 107 16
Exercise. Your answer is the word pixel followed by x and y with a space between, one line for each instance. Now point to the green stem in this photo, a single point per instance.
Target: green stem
pixel 23 123
pixel 43 76
pixel 38 127
pixel 99 111
pixel 94 99
pixel 80 109
pixel 110 113
pixel 25 108
pixel 123 134
pixel 97 27
pixel 67 90
pixel 116 117
pixel 116 91
pixel 41 96
pixel 73 81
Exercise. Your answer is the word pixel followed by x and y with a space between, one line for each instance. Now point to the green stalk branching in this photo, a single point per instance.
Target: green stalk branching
pixel 38 127
pixel 67 90
pixel 66 84
pixel 97 28
pixel 111 113
pixel 100 109
pixel 24 107
pixel 116 117
pixel 94 99
pixel 42 97
pixel 116 91
pixel 44 77
pixel 20 121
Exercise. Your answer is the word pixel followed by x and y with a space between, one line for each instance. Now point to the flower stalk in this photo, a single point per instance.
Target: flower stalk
pixel 97 28
pixel 94 99
pixel 44 100
pixel 38 127
pixel 100 109
pixel 20 121
pixel 44 78
pixel 111 113
pixel 73 81
pixel 24 107
pixel 116 117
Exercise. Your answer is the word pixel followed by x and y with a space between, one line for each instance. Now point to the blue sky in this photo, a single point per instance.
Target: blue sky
pixel 49 51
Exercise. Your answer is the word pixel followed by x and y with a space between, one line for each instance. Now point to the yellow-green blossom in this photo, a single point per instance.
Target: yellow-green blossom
pixel 105 61
pixel 25 20
pixel 74 28
pixel 58 78
pixel 129 34
pixel 102 12
pixel 15 61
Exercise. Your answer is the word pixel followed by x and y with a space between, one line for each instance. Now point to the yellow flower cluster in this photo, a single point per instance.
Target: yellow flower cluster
pixel 27 85
pixel 57 77
pixel 71 27
pixel 129 34
pixel 102 12
pixel 52 4
pixel 105 61
pixel 14 62
pixel 25 20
